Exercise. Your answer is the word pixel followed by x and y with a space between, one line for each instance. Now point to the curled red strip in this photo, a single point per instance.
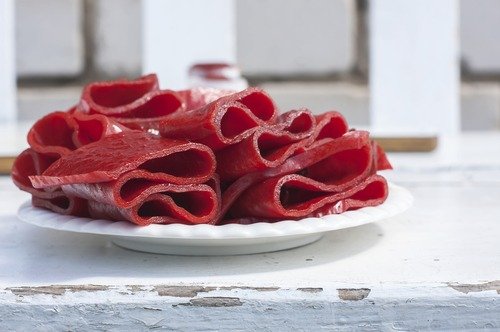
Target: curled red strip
pixel 165 203
pixel 293 196
pixel 62 204
pixel 117 98
pixel 178 161
pixel 30 162
pixel 312 155
pixel 267 147
pixel 226 121
pixel 59 133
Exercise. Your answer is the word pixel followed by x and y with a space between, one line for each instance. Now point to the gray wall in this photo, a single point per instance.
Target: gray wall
pixel 61 44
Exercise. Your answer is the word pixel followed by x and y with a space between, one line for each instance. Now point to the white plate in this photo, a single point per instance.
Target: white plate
pixel 180 239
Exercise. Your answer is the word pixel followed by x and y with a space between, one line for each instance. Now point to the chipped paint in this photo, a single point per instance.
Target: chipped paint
pixel 138 307
pixel 310 289
pixel 136 288
pixel 161 290
pixel 151 308
pixel 55 290
pixel 353 294
pixel 258 289
pixel 467 288
pixel 213 302
pixel 181 291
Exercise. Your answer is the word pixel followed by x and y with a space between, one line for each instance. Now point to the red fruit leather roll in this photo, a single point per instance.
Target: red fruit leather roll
pixel 300 123
pixel 374 192
pixel 30 162
pixel 146 113
pixel 329 125
pixel 116 98
pixel 137 104
pixel 267 147
pixel 128 190
pixel 198 97
pixel 53 134
pixel 59 133
pixel 295 196
pixel 92 128
pixel 342 169
pixel 226 121
pixel 180 162
pixel 314 154
pixel 185 204
pixel 381 161
pixel 60 203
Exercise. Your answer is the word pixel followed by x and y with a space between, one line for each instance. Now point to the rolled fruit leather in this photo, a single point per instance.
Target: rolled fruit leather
pixel 175 161
pixel 223 122
pixel 267 147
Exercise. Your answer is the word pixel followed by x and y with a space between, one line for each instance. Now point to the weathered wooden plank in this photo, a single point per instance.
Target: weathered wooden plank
pixel 188 307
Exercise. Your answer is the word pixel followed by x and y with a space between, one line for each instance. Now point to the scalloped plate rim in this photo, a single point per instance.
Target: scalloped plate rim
pixel 399 200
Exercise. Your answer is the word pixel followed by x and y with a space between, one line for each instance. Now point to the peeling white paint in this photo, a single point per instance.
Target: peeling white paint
pixel 398 307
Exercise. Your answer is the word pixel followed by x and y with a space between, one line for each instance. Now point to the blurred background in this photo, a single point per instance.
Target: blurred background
pixel 322 59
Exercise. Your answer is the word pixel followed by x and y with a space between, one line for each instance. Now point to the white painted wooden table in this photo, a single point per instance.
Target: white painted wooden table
pixel 436 266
